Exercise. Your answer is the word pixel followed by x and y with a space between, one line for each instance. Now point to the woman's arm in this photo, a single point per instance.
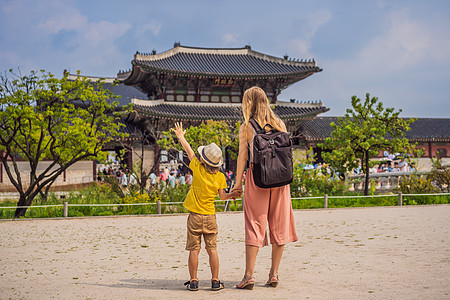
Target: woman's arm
pixel 180 135
pixel 242 157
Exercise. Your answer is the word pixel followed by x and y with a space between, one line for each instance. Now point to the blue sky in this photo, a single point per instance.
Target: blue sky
pixel 398 51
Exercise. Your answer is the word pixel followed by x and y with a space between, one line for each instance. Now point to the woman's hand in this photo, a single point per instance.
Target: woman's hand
pixel 237 187
pixel 235 193
pixel 178 129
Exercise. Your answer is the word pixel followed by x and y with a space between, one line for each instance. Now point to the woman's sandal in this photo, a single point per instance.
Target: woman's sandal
pixel 271 282
pixel 247 283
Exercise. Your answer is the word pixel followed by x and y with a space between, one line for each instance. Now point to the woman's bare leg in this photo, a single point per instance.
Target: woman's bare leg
pixel 250 258
pixel 277 253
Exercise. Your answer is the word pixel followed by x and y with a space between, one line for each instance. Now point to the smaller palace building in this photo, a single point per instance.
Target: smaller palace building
pixel 430 134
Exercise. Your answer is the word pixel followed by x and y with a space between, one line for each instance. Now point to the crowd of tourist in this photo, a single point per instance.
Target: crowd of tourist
pixel 168 177
pixel 389 166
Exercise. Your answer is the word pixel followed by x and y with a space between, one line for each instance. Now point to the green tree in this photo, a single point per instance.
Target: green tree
pixel 219 132
pixel 362 133
pixel 61 121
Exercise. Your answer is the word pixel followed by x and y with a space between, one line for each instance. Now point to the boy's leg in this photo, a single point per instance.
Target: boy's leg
pixel 213 263
pixel 193 263
pixel 194 232
pixel 210 235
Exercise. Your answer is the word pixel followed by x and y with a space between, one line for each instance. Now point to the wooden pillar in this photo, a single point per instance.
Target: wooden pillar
pixel 129 156
pixel 94 170
pixel 430 153
pixel 65 209
pixel 1 172
pixel 156 159
pixel 158 207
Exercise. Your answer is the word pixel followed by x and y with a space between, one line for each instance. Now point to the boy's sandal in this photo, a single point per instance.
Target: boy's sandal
pixel 247 283
pixel 273 280
pixel 192 285
pixel 217 285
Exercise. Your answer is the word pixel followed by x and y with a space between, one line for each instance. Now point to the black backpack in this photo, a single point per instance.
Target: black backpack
pixel 272 157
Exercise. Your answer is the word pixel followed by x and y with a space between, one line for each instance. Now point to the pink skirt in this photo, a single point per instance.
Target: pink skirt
pixel 273 206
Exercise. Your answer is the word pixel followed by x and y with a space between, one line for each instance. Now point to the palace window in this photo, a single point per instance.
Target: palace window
pixel 163 156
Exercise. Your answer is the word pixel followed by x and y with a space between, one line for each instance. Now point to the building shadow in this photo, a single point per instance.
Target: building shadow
pixel 158 284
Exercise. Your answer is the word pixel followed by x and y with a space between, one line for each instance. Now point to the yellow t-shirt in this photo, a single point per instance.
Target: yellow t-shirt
pixel 204 189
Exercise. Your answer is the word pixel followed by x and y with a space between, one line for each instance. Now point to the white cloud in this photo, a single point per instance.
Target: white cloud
pixel 229 38
pixel 59 28
pixel 301 46
pixel 407 43
pixel 314 21
pixel 154 27
pixel 403 67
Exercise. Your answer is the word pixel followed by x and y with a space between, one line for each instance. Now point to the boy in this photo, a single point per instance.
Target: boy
pixel 207 182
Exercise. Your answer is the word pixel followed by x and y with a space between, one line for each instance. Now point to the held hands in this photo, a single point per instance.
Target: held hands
pixel 178 129
pixel 235 193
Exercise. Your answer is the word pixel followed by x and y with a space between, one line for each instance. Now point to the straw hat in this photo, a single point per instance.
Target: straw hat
pixel 211 154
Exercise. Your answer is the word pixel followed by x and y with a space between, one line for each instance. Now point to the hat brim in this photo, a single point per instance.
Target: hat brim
pixel 206 160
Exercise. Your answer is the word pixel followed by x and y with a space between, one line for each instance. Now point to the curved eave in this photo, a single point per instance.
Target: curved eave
pixel 202 113
pixel 141 69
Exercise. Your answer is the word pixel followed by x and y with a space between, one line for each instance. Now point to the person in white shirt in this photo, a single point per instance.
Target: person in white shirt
pixel 152 178
pixel 124 179
pixel 403 165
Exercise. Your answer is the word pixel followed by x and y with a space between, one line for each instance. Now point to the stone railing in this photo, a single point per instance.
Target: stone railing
pixel 385 181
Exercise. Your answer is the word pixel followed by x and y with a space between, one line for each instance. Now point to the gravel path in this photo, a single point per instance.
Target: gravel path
pixel 353 253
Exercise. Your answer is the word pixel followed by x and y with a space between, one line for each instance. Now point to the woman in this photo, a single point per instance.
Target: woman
pixel 272 205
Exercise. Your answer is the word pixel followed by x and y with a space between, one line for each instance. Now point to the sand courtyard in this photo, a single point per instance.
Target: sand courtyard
pixel 351 253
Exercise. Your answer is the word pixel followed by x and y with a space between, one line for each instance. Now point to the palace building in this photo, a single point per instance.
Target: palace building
pixel 193 85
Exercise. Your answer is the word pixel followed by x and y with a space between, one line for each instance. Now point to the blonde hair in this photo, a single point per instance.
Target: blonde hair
pixel 208 168
pixel 256 105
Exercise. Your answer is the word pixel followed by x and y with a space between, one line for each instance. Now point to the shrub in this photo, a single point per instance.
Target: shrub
pixel 416 184
pixel 315 183
pixel 440 175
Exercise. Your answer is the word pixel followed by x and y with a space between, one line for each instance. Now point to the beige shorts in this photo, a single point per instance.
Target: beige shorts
pixel 198 225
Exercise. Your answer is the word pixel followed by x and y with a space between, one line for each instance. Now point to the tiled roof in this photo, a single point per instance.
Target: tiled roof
pixel 133 130
pixel 222 111
pixel 423 129
pixel 126 92
pixel 242 62
pixel 430 129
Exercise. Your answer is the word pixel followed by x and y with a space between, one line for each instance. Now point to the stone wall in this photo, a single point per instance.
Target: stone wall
pixel 80 172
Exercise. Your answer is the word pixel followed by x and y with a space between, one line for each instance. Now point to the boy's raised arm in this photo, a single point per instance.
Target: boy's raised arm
pixel 180 135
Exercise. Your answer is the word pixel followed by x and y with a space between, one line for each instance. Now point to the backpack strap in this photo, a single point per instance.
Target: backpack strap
pixel 259 129
pixel 255 125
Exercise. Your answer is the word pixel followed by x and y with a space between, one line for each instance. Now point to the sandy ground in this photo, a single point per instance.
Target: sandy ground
pixel 362 253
